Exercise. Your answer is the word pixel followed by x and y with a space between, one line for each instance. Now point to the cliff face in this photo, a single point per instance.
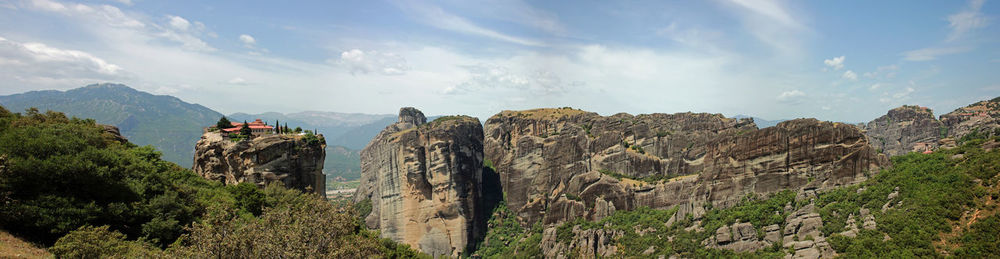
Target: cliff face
pixel 424 180
pixel 983 116
pixel 904 130
pixel 294 160
pixel 560 164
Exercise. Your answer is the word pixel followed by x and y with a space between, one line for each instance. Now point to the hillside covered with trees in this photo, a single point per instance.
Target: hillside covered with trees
pixel 73 186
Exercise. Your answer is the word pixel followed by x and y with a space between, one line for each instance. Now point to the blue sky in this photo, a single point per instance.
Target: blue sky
pixel 832 60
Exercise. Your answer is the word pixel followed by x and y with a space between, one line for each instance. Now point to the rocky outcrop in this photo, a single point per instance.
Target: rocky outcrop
pixel 293 160
pixel 113 133
pixel 662 160
pixel 741 237
pixel 983 117
pixel 905 129
pixel 802 234
pixel 424 181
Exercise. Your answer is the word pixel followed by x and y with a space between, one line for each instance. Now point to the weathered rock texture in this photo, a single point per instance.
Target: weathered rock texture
pixel 423 180
pixel 290 159
pixel 983 116
pixel 685 159
pixel 905 129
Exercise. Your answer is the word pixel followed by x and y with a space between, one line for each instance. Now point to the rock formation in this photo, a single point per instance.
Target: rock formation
pixel 622 162
pixel 904 130
pixel 294 160
pixel 423 180
pixel 983 116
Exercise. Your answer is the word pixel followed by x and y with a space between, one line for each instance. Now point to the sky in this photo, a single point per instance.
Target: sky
pixel 833 60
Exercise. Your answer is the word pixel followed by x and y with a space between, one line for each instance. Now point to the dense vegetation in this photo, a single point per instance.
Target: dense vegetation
pixel 935 192
pixel 68 183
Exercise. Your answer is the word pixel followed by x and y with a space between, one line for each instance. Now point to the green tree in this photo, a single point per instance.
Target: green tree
pixel 298 129
pixel 245 130
pixel 223 123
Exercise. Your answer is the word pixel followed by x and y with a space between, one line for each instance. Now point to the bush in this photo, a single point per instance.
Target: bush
pixel 97 242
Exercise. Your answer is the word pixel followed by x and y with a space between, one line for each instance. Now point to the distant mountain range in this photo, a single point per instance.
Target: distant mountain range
pixel 351 130
pixel 166 122
pixel 174 126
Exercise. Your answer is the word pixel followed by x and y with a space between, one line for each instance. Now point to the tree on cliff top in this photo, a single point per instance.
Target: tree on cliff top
pixel 223 123
pixel 245 130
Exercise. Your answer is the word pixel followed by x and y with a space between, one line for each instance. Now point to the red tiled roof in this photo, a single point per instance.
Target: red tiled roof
pixel 257 124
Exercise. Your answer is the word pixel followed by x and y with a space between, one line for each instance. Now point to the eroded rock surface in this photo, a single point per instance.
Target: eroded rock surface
pixel 662 160
pixel 423 180
pixel 983 116
pixel 905 129
pixel 289 159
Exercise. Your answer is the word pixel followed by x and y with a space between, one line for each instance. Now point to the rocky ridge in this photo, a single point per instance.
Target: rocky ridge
pixel 915 129
pixel 557 165
pixel 560 164
pixel 293 160
pixel 424 182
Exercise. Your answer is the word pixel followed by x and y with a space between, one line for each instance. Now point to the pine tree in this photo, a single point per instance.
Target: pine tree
pixel 223 123
pixel 245 130
pixel 276 129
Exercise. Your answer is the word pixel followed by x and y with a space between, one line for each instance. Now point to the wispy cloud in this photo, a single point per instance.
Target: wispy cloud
pixel 791 96
pixel 437 17
pixel 32 62
pixel 926 54
pixel 364 62
pixel 772 23
pixel 968 19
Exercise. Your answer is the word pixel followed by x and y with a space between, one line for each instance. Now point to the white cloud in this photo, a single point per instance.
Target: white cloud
pixel 179 23
pixel 37 63
pixel 926 54
pixel 850 75
pixel 967 20
pixel 125 2
pixel 359 61
pixel 492 76
pixel 875 86
pixel 790 95
pixel 247 40
pixel 836 63
pixel 237 81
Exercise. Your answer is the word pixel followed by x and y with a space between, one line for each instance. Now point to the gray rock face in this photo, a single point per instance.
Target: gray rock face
pixel 983 116
pixel 662 160
pixel 287 159
pixel 412 116
pixel 424 182
pixel 739 237
pixel 904 130
pixel 802 233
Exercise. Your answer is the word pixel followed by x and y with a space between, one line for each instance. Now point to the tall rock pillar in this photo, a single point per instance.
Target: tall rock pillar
pixel 423 182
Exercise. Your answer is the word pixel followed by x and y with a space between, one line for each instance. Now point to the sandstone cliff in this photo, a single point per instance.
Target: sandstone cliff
pixel 560 164
pixel 904 130
pixel 424 182
pixel 294 160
